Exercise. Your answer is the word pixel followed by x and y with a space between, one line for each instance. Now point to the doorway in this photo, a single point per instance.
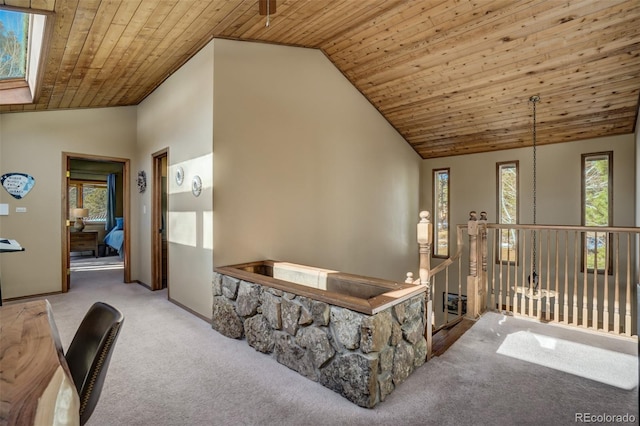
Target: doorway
pixel 84 197
pixel 160 199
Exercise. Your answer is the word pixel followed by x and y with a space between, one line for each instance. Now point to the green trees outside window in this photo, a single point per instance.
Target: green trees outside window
pixel 92 196
pixel 507 196
pixel 597 205
pixel 14 27
pixel 441 212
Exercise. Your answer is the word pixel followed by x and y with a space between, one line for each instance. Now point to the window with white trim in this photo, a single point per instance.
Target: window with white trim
pixel 597 206
pixel 441 213
pixel 507 196
pixel 89 195
pixel 22 38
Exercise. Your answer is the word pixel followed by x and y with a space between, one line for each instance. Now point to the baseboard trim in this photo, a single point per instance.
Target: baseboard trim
pixel 148 287
pixel 31 296
pixel 191 311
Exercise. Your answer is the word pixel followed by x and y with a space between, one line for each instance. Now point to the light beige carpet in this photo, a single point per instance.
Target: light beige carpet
pixel 171 368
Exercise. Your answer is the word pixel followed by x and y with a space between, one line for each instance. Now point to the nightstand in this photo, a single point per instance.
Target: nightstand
pixel 84 241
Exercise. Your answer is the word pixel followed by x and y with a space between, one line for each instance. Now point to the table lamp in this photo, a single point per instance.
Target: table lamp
pixel 79 215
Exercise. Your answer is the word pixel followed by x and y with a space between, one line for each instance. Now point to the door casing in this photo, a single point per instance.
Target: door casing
pixel 156 221
pixel 126 198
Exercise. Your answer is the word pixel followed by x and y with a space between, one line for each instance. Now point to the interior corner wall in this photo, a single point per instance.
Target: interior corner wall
pixel 33 143
pixel 637 157
pixel 178 116
pixel 306 169
pixel 473 181
pixel 1 196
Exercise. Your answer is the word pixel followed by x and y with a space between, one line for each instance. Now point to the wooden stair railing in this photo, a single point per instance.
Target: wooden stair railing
pixel 586 275
pixel 428 277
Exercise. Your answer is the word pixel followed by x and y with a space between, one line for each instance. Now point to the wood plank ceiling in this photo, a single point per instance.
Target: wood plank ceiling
pixel 452 76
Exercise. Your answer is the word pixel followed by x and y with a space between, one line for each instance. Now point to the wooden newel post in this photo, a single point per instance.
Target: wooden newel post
pixel 472 278
pixel 425 237
pixel 483 281
pixel 473 244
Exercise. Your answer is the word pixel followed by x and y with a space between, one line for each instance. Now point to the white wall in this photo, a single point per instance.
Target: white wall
pixel 473 187
pixel 179 116
pixel 637 157
pixel 33 142
pixel 473 181
pixel 1 198
pixel 306 170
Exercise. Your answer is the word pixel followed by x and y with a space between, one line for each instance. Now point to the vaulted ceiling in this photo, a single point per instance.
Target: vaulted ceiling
pixel 452 76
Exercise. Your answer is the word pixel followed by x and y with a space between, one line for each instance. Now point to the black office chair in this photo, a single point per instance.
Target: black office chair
pixel 89 354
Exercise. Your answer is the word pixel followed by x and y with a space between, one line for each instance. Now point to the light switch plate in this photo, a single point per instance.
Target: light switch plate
pixel 21 209
pixel 4 209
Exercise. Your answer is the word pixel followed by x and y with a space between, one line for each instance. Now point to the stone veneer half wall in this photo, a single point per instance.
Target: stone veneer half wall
pixel 362 357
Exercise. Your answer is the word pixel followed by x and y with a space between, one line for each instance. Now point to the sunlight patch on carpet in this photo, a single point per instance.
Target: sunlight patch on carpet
pixel 602 365
pixel 96 267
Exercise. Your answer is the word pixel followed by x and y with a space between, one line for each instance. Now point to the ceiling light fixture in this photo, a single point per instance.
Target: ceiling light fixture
pixel 267 7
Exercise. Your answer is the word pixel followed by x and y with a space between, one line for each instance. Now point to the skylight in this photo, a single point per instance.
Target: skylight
pixel 22 37
pixel 14 28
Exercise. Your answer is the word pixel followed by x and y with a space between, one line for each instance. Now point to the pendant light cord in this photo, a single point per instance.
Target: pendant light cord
pixel 535 99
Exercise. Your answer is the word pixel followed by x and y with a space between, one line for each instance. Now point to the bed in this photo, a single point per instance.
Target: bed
pixel 115 237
